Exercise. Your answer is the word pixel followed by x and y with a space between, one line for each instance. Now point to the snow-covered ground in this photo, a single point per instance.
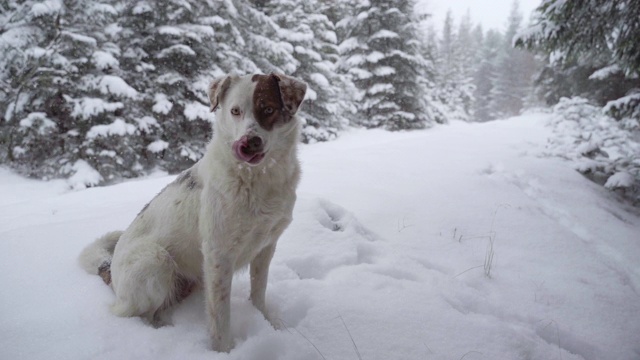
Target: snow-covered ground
pixel 458 242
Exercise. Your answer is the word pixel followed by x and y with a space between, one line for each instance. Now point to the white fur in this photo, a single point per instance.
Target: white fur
pixel 203 227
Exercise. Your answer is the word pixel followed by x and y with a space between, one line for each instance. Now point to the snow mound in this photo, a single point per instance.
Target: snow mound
pixel 111 84
pixel 620 180
pixel 603 149
pixel 327 227
pixel 85 176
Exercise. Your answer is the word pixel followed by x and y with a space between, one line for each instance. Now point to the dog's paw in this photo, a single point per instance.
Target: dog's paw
pixel 221 345
pixel 276 323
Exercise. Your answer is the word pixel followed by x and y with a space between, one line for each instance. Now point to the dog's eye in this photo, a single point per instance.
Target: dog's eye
pixel 235 111
pixel 268 110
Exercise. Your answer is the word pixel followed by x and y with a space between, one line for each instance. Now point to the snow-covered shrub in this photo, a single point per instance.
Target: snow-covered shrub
pixel 605 150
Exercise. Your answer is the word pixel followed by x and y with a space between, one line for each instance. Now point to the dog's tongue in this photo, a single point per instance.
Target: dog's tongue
pixel 238 149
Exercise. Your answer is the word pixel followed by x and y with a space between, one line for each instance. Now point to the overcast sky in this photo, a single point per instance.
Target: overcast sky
pixel 490 13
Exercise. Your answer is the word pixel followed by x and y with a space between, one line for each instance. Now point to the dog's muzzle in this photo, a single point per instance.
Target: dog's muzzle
pixel 249 149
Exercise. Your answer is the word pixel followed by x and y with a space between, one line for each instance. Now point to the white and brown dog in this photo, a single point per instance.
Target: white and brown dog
pixel 222 214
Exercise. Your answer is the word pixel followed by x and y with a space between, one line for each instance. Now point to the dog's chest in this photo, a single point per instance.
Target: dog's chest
pixel 257 227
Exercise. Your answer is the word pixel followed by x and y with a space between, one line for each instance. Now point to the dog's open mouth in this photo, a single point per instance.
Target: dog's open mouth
pixel 249 149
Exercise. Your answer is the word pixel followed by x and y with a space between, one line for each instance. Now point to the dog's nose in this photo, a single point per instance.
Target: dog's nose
pixel 254 144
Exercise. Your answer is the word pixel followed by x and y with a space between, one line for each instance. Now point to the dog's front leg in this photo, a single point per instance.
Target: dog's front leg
pixel 260 269
pixel 259 275
pixel 218 273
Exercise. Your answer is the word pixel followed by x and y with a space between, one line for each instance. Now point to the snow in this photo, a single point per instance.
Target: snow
pixel 84 176
pixel 191 31
pixel 348 45
pixel 383 34
pixel 195 110
pixel 39 119
pixel 384 71
pixel 605 72
pixel 87 107
pixel 295 36
pixel 598 144
pixel 141 7
pixel 319 79
pixel 103 8
pixel 387 257
pixel 620 180
pixel 213 20
pixel 621 102
pixel 147 123
pixel 111 84
pixel 85 40
pixel 48 7
pixel 355 60
pixel 104 60
pixel 158 146
pixel 314 55
pixel 360 74
pixel 118 127
pixel 161 104
pixel 375 56
pixel 170 30
pixel 179 49
pixel 311 94
pixel 378 88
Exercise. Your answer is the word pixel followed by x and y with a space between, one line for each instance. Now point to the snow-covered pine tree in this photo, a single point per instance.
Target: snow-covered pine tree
pixel 596 53
pixel 593 51
pixel 312 36
pixel 517 67
pixel 170 53
pixel 381 52
pixel 257 38
pixel 63 99
pixel 485 74
pixel 455 62
pixel 435 108
pixel 469 49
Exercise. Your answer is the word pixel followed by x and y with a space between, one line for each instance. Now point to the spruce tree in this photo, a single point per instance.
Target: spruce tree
pixel 513 82
pixel 169 55
pixel 456 58
pixel 485 75
pixel 382 54
pixel 314 41
pixel 596 53
pixel 62 82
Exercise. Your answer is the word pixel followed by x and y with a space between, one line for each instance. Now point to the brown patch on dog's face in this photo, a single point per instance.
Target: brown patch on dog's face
pixel 267 101
pixel 293 92
pixel 276 97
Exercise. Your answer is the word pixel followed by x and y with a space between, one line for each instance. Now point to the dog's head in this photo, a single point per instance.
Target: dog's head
pixel 254 111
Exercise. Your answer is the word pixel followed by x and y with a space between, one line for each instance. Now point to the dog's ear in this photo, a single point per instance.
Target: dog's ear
pixel 292 91
pixel 217 89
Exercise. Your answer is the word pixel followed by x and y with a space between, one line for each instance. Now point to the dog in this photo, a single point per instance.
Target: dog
pixel 222 214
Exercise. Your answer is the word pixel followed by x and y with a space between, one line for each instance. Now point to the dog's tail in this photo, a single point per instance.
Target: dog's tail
pixel 96 257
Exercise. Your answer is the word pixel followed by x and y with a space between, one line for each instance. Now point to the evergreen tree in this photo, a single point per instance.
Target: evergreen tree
pixel 313 38
pixel 256 39
pixel 513 82
pixel 170 53
pixel 60 71
pixel 456 58
pixel 485 75
pixel 595 50
pixel 382 54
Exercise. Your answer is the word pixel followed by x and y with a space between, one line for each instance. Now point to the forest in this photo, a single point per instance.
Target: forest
pixel 467 191
pixel 116 89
